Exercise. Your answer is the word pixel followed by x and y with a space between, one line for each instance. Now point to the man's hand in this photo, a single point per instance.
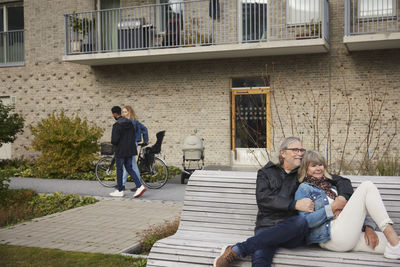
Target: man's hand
pixel 338 204
pixel 305 204
pixel 336 214
pixel 371 238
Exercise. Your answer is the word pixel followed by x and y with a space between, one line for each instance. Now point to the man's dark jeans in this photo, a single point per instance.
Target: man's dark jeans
pixel 127 162
pixel 290 233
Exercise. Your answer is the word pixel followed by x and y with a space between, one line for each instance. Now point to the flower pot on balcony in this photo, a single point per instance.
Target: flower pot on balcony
pixel 76 46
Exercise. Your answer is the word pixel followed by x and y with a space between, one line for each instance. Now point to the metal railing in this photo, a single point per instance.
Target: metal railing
pixel 12 48
pixel 194 23
pixel 371 16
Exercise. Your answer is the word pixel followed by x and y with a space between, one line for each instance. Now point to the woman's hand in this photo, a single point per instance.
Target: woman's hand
pixel 371 238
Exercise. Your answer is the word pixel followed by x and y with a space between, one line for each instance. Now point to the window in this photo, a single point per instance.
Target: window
pixel 376 8
pixel 303 11
pixel 12 35
pixel 254 19
pixel 169 12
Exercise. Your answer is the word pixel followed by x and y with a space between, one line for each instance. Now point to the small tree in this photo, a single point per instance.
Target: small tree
pixel 67 145
pixel 10 124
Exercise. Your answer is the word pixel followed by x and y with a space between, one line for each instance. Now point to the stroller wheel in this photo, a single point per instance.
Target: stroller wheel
pixel 184 176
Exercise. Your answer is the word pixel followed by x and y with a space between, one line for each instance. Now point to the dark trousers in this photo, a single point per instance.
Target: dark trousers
pixel 127 162
pixel 290 233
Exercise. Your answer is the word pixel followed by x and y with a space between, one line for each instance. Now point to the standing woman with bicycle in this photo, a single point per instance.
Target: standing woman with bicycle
pixel 123 138
pixel 140 130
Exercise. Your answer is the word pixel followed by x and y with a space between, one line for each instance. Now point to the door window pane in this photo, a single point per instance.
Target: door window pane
pixel 376 8
pixel 250 82
pixel 303 11
pixel 250 121
pixel 15 18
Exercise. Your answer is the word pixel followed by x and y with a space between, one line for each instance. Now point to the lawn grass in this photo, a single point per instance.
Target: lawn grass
pixel 30 256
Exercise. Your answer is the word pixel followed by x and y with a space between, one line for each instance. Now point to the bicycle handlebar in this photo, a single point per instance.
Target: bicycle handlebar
pixel 143 144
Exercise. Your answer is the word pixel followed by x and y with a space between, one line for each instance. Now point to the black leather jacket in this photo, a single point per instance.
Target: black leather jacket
pixel 275 191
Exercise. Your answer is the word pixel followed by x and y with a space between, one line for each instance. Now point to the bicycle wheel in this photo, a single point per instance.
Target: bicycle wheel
pixel 105 172
pixel 153 176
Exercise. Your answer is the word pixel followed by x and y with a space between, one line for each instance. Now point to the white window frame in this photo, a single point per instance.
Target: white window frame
pixel 5 7
pixel 369 9
pixel 296 12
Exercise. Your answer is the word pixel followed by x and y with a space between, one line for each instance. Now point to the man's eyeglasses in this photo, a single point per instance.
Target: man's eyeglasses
pixel 297 150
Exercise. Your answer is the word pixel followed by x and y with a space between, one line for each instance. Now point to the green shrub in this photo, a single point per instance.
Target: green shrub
pixel 48 204
pixel 17 196
pixel 10 124
pixel 67 145
pixel 173 171
pixel 4 180
pixel 23 204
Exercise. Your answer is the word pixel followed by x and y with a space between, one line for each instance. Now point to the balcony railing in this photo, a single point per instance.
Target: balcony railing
pixel 195 23
pixel 371 16
pixel 12 48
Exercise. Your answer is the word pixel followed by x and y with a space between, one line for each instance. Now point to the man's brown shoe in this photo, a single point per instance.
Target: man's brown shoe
pixel 227 257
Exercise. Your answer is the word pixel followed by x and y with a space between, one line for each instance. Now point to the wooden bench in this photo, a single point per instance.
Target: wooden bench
pixel 220 209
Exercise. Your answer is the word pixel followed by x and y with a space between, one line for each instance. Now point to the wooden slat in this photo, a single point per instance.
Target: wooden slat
pixel 213 215
pixel 240 206
pixel 222 195
pixel 222 189
pixel 220 210
pixel 224 181
pixel 222 200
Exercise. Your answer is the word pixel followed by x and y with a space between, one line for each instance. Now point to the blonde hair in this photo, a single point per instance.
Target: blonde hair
pixel 132 114
pixel 312 157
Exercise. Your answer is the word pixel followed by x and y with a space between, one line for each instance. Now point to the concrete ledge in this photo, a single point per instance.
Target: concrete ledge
pixel 271 48
pixel 388 40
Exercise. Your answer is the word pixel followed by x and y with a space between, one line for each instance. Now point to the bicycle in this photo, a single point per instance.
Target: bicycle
pixel 153 170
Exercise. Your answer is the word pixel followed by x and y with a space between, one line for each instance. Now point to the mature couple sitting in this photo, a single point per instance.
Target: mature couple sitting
pixel 323 209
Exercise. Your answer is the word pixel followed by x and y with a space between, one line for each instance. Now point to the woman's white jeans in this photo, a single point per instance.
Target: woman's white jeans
pixel 346 229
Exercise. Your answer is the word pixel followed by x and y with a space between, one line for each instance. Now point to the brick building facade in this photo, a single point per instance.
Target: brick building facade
pixel 335 101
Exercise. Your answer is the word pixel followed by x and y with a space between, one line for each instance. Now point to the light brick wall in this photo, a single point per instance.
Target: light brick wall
pixel 182 96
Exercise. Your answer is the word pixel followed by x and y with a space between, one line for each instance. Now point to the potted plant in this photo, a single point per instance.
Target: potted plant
pixel 309 30
pixel 80 28
pixel 194 37
pixel 197 39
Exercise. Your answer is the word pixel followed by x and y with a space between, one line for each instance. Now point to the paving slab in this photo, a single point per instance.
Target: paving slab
pixel 108 226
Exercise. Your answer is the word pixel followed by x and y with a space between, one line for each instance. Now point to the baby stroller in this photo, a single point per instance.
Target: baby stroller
pixel 193 152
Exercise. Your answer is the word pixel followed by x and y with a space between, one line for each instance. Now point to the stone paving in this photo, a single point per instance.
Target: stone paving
pixel 109 226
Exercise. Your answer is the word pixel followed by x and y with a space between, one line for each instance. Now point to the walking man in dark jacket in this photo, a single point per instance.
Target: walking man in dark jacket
pixel 123 138
pixel 278 224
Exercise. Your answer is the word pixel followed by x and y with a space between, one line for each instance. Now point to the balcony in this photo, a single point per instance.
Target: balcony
pixel 12 48
pixel 194 30
pixel 372 24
